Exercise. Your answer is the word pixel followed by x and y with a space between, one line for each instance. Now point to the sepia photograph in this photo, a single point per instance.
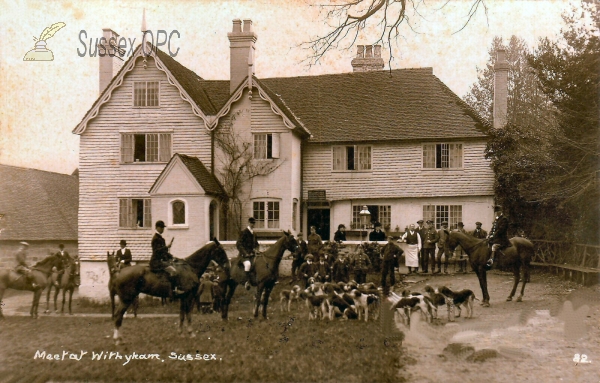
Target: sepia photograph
pixel 300 191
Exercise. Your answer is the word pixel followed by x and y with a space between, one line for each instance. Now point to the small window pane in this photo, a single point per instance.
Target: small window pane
pixel 139 93
pixel 152 147
pixel 259 214
pixel 152 93
pixel 178 213
pixel 273 214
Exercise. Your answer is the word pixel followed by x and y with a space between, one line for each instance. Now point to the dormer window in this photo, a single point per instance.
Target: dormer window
pixel 145 94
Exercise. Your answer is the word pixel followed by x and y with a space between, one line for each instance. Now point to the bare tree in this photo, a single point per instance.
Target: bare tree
pixel 236 171
pixel 347 18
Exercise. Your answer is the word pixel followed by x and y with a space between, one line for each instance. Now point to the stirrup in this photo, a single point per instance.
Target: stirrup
pixel 247 285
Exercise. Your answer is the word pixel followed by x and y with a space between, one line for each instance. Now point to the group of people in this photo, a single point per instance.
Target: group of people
pixel 25 269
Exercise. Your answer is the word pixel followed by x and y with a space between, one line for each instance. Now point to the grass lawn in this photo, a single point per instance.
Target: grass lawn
pixel 287 348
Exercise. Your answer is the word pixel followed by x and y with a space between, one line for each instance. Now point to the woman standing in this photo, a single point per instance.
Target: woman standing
pixel 340 234
pixel 413 241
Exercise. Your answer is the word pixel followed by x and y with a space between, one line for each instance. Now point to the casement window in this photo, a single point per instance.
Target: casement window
pixel 440 213
pixel 178 210
pixel 266 214
pixel 352 157
pixel 135 212
pixel 442 156
pixel 149 147
pixel 145 93
pixel 266 146
pixel 379 213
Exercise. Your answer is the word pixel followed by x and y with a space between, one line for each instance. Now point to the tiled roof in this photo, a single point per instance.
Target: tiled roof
pixel 379 105
pixel 203 176
pixel 38 205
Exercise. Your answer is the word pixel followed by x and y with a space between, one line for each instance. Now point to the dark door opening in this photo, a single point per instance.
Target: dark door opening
pixel 319 218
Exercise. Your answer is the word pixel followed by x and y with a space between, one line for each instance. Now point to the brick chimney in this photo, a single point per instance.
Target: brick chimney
pixel 109 66
pixel 368 58
pixel 500 89
pixel 241 52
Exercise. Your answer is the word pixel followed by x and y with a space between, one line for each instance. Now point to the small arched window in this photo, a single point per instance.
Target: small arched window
pixel 178 213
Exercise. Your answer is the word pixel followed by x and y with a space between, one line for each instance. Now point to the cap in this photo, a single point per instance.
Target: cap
pixel 420 221
pixel 444 223
pixel 123 242
pixel 429 221
pixel 478 223
pixel 310 256
pixel 251 220
pixel 300 234
pixel 61 246
pixel 160 224
pixel 460 224
pixel 24 243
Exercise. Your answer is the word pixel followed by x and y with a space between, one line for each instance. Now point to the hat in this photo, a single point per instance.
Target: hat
pixel 429 221
pixel 444 223
pixel 24 243
pixel 310 256
pixel 61 246
pixel 377 224
pixel 123 242
pixel 160 224
pixel 497 207
pixel 251 220
pixel 478 223
pixel 420 221
pixel 460 224
pixel 300 234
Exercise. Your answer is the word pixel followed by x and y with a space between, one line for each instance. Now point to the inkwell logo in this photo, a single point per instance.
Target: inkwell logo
pixel 40 52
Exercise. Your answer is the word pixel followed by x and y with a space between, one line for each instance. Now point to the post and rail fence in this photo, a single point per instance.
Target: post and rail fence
pixel 576 262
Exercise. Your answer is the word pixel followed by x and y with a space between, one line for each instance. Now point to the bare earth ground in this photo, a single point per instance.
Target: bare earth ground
pixel 532 341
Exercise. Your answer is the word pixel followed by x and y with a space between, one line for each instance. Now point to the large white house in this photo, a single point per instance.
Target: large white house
pixel 399 142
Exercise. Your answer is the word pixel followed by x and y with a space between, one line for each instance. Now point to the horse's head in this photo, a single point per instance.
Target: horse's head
pixel 219 255
pixel 451 241
pixel 111 260
pixel 290 243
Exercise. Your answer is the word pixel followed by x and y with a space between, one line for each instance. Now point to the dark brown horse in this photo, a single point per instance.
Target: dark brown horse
pixel 66 282
pixel 134 280
pixel 266 266
pixel 518 255
pixel 10 279
pixel 113 269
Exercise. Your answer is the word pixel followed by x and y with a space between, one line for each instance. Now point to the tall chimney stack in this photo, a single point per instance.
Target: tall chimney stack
pixel 500 89
pixel 109 66
pixel 368 58
pixel 241 49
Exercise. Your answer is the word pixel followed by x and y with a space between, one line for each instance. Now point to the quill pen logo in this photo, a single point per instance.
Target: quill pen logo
pixel 40 52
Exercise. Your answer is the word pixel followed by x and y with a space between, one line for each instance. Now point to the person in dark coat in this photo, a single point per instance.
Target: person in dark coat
pixel 22 265
pixel 124 255
pixel 391 255
pixel 443 235
pixel 315 243
pixel 340 234
pixel 421 230
pixel 162 260
pixel 430 238
pixel 360 263
pixel 459 253
pixel 479 232
pixel 377 234
pixel 65 259
pixel 498 237
pixel 205 293
pixel 247 245
pixel 298 257
pixel 308 269
pixel 323 271
pixel 341 270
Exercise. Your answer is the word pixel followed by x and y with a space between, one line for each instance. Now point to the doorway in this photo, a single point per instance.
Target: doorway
pixel 319 218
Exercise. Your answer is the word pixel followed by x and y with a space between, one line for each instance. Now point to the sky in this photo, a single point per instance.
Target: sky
pixel 42 102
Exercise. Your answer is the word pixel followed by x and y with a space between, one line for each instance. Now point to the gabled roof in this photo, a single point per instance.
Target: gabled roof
pixel 201 174
pixel 38 205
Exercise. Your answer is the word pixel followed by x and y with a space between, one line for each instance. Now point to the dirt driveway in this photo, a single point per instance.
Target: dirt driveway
pixel 533 341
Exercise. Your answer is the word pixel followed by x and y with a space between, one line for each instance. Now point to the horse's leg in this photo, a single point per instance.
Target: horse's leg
pixel 182 309
pixel 56 291
pixel 482 284
pixel 188 314
pixel 123 306
pixel 265 303
pixel 37 294
pixel 525 280
pixel 259 290
pixel 71 299
pixel 64 291
pixel 486 295
pixel 47 311
pixel 136 304
pixel 517 275
pixel 112 302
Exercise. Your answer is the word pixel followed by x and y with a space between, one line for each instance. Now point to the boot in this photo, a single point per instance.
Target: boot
pixel 445 269
pixel 439 270
pixel 490 262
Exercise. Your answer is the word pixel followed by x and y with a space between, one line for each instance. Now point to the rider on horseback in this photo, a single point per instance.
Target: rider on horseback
pixel 161 258
pixel 247 245
pixel 498 237
pixel 22 266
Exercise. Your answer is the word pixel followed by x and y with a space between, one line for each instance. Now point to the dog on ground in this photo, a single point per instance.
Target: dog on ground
pixel 456 299
pixel 411 302
pixel 286 297
pixel 437 299
pixel 362 302
pixel 314 303
pixel 337 305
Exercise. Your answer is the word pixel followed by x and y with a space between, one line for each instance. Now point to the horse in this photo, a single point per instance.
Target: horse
pixel 66 283
pixel 134 280
pixel 518 255
pixel 113 269
pixel 266 266
pixel 10 279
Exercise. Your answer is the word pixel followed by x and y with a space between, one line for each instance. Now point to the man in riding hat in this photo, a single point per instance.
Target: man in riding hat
pixel 161 260
pixel 22 266
pixel 65 259
pixel 247 245
pixel 498 237
pixel 124 255
pixel 479 232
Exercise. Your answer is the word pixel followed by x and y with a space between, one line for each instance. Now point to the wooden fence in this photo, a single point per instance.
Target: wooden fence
pixel 573 254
